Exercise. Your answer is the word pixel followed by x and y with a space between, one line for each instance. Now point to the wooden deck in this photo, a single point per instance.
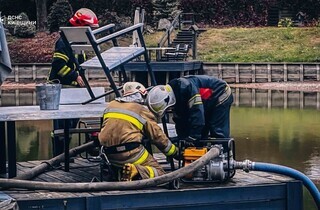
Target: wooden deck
pixel 254 190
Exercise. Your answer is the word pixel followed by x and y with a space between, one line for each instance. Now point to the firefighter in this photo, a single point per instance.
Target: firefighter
pixel 63 69
pixel 201 109
pixel 126 121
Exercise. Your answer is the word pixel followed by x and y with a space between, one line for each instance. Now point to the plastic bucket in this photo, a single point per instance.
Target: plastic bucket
pixel 48 96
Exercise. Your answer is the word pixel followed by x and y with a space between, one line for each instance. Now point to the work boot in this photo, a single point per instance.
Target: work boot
pixel 129 171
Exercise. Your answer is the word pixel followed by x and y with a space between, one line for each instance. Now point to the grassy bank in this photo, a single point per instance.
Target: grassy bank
pixel 257 44
pixel 215 45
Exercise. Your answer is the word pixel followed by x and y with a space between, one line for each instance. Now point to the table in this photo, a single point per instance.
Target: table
pixel 9 115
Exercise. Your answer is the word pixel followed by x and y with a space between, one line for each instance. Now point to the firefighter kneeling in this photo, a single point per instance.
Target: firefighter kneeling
pixel 125 123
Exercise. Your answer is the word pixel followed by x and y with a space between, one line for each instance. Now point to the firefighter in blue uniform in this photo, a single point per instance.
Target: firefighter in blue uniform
pixel 201 109
pixel 64 71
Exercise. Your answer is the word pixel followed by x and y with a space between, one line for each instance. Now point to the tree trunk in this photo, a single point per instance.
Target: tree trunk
pixel 41 14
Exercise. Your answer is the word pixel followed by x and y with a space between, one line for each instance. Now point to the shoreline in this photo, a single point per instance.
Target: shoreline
pixel 307 86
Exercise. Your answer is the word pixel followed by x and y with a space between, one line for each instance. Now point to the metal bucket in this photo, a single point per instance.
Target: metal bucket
pixel 48 96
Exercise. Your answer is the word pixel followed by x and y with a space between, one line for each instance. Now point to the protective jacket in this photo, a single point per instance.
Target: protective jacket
pixel 202 104
pixel 63 68
pixel 127 122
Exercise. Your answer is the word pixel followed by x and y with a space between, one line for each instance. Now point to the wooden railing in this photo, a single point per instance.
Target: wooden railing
pixel 166 38
pixel 230 72
pixel 263 72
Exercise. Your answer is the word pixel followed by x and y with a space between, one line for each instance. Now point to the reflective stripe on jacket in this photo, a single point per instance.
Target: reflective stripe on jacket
pixel 62 67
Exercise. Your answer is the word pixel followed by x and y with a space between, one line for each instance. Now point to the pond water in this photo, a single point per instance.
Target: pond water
pixel 268 126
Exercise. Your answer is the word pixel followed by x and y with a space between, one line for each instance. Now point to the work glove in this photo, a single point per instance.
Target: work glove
pixel 177 155
pixel 190 142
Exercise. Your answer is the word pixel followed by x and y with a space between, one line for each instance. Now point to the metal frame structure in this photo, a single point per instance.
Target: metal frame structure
pixel 108 60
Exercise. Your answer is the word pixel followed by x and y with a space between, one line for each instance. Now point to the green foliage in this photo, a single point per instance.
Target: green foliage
pixel 228 12
pixel 163 8
pixel 25 29
pixel 285 22
pixel 59 15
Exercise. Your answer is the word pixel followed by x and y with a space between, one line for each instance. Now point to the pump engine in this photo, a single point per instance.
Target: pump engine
pixel 218 169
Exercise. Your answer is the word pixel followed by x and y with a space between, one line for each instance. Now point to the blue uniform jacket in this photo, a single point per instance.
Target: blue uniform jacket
pixel 189 110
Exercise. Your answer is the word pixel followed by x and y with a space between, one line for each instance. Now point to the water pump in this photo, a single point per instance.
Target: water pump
pixel 218 169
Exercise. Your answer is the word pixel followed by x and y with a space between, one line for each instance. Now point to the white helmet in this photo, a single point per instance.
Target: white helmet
pixel 130 88
pixel 160 98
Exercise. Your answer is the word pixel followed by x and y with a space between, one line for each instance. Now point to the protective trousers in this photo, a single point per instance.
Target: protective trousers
pixel 147 167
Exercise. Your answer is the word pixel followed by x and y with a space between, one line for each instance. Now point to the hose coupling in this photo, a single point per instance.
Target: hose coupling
pixel 245 165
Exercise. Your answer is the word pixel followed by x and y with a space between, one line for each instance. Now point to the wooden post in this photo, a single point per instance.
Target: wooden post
pixel 301 72
pixel 34 73
pixel 237 73
pixel 318 72
pixel 253 68
pixel 269 73
pixel 285 72
pixel 220 71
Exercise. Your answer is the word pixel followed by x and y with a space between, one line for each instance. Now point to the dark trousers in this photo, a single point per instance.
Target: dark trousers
pixel 218 120
pixel 58 141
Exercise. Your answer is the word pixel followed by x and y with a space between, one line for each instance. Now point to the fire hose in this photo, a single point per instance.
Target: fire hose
pixel 103 186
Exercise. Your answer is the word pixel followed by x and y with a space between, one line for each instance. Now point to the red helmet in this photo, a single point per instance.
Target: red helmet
pixel 84 17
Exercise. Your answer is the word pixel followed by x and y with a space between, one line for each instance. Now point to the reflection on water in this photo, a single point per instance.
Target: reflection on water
pixel 34 140
pixel 268 126
pixel 289 137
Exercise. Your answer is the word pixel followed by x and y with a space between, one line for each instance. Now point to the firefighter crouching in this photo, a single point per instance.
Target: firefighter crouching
pixel 202 107
pixel 125 122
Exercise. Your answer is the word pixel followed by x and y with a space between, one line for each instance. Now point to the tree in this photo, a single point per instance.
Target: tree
pixel 41 6
pixel 60 13
pixel 164 8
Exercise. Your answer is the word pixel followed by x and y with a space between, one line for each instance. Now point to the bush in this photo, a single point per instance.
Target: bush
pixel 285 22
pixel 59 15
pixel 228 12
pixel 25 29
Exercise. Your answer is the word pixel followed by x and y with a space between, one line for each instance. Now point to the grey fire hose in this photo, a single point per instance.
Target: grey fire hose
pixel 103 186
pixel 54 161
